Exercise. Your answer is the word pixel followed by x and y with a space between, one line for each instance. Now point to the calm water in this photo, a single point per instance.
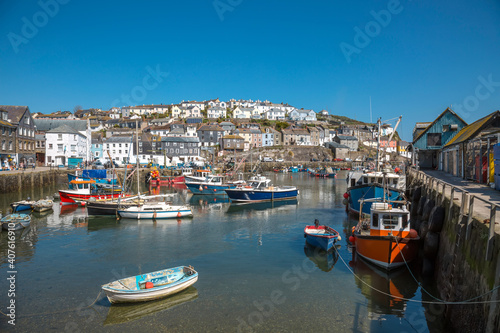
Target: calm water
pixel 254 271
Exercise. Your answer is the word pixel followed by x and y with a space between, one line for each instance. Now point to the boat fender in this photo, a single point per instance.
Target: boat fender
pixel 352 239
pixel 421 205
pixel 413 233
pixel 339 238
pixel 345 202
pixel 215 190
pixel 424 228
pixel 201 188
pixel 431 245
pixel 427 267
pixel 417 194
pixel 179 214
pixel 346 195
pixel 149 285
pixel 206 187
pixel 426 212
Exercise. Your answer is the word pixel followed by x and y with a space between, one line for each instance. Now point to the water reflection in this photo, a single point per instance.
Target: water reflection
pixel 397 283
pixel 25 240
pixel 122 313
pixel 281 205
pixel 323 260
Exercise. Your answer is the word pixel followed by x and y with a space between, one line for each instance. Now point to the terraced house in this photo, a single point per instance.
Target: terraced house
pixel 24 140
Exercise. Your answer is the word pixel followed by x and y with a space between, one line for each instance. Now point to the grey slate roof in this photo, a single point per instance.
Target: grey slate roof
pixel 44 125
pixel 15 112
pixel 64 129
pixel 119 139
pixel 180 139
pixel 347 137
pixel 336 145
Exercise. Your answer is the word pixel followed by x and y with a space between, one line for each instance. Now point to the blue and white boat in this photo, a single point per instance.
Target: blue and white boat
pixel 321 236
pixel 259 188
pixel 15 221
pixel 212 184
pixel 150 286
pixel 382 185
pixel 19 206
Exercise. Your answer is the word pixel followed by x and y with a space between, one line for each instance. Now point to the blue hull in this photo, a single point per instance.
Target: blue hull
pixel 97 180
pixel 209 189
pixel 369 192
pixel 321 242
pixel 261 195
pixel 20 207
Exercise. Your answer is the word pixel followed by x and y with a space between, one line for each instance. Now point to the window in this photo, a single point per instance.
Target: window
pixel 433 139
pixel 119 151
pixel 390 221
pixel 73 148
pixel 50 146
pixel 59 136
pixel 4 144
pixel 59 148
pixel 96 154
pixel 405 221
pixel 120 145
pixel 107 145
pixel 375 220
pixel 74 136
pixel 10 145
pixel 3 130
pixel 114 145
pixel 126 151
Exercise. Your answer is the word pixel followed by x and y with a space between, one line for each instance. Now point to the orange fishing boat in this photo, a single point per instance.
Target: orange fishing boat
pixel 386 239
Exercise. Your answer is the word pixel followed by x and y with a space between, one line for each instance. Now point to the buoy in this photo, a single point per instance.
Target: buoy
pixel 352 239
pixel 346 195
pixel 149 285
pixel 413 233
pixel 83 203
pixel 201 188
pixel 206 187
pixel 179 214
pixel 215 190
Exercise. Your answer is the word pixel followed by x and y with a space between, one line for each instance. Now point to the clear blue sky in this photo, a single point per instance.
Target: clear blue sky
pixel 426 56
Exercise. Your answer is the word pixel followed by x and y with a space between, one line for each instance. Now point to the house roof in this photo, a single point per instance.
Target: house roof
pixel 436 120
pixel 64 129
pixel 233 137
pixel 180 139
pixel 15 112
pixel 334 144
pixel 45 125
pixel 472 130
pixel 119 139
pixel 210 128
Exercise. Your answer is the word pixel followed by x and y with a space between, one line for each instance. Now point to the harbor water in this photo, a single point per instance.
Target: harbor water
pixel 255 272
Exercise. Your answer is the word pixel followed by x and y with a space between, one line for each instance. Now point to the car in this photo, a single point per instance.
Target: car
pixel 267 159
pixel 97 165
pixel 280 160
pixel 326 160
pixel 108 165
pixel 314 160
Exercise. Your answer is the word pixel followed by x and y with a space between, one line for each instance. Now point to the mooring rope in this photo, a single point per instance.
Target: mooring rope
pixel 58 312
pixel 414 300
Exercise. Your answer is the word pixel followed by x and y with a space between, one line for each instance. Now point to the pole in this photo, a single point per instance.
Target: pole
pixel 137 155
pixel 378 144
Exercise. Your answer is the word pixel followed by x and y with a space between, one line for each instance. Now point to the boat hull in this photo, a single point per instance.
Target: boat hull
pixel 142 295
pixel 315 238
pixel 16 221
pixel 206 189
pixel 249 195
pixel 101 208
pixel 20 207
pixel 167 180
pixel 384 251
pixel 372 191
pixel 158 214
pixel 70 197
pixel 97 180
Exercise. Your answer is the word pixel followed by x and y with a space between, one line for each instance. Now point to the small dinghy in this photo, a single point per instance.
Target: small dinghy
pixel 150 286
pixel 321 236
pixel 43 205
pixel 22 205
pixel 15 221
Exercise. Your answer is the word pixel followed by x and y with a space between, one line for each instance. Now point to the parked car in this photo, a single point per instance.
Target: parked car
pixel 97 165
pixel 314 160
pixel 326 159
pixel 108 165
pixel 279 160
pixel 267 159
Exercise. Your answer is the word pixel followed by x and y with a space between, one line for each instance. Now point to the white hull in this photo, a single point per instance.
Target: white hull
pixel 146 295
pixel 138 214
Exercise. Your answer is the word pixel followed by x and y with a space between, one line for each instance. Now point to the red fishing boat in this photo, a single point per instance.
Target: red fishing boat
pixel 84 189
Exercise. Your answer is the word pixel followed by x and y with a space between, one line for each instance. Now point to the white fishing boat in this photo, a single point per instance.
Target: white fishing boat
pixel 150 286
pixel 154 209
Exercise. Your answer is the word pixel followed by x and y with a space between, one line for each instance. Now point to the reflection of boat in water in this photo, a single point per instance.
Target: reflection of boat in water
pixel 122 313
pixel 200 200
pixel 323 260
pixel 398 283
pixel 67 209
pixel 241 207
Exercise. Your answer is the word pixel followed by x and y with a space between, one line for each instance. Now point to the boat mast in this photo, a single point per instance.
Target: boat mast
pixel 137 154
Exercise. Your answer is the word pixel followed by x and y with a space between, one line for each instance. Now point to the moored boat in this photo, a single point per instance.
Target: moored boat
pixel 83 190
pixel 213 184
pixel 19 206
pixel 101 176
pixel 43 205
pixel 150 286
pixel 386 239
pixel 321 236
pixel 148 209
pixel 15 221
pixel 259 189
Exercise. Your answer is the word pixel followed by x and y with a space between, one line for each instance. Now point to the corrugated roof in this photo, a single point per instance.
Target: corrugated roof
pixel 473 129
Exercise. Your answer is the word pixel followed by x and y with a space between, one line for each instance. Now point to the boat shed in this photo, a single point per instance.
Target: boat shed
pixel 426 147
pixel 469 154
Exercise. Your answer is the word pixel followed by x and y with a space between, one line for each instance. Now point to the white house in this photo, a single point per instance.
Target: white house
pixel 185 111
pixel 275 114
pixel 307 115
pixel 119 147
pixel 216 112
pixel 200 105
pixel 242 112
pixel 215 103
pixel 63 143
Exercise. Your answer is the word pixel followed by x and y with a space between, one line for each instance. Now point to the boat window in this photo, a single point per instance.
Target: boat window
pixel 379 180
pixel 405 221
pixel 390 221
pixel 365 179
pixel 85 185
pixel 353 182
pixel 80 186
pixel 375 220
pixel 395 181
pixel 372 180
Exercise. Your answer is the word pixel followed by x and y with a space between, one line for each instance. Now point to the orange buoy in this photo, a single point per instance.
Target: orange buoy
pixel 215 190
pixel 352 239
pixel 149 285
pixel 346 195
pixel 413 233
pixel 179 214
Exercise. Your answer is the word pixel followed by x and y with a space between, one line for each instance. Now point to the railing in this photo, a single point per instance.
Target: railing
pixel 439 187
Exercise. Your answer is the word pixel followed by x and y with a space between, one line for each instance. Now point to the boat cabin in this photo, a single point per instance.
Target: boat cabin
pixel 82 185
pixel 259 182
pixel 388 221
pixel 390 179
pixel 201 173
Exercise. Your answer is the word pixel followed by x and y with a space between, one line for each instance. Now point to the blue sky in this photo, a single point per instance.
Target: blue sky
pixel 418 58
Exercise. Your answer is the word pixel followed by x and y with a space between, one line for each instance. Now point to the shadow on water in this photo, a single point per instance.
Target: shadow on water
pixel 122 313
pixel 243 207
